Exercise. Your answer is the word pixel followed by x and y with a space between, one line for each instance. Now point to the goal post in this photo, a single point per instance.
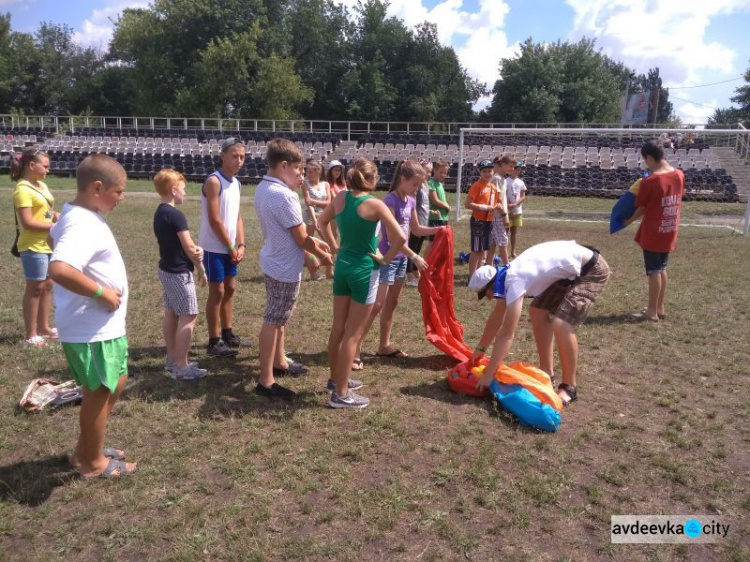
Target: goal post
pixel 574 171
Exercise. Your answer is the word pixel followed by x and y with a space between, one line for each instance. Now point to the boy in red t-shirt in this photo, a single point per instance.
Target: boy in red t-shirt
pixel 483 197
pixel 659 201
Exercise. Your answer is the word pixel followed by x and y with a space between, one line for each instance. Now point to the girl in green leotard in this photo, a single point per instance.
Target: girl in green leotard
pixel 355 277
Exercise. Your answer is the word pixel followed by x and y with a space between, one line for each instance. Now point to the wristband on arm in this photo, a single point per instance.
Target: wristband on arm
pixel 98 292
pixel 231 247
pixel 481 348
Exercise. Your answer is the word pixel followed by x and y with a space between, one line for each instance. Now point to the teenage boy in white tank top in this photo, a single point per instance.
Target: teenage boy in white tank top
pixel 222 236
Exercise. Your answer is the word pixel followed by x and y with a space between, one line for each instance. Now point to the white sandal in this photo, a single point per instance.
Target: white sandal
pixel 35 341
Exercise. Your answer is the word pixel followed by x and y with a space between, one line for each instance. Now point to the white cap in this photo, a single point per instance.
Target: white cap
pixel 482 277
pixel 334 163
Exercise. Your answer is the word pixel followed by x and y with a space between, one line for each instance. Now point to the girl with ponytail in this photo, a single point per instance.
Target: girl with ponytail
pixel 355 279
pixel 35 214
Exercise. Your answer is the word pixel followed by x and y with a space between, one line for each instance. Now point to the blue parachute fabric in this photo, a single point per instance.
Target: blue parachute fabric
pixel 623 210
pixel 529 410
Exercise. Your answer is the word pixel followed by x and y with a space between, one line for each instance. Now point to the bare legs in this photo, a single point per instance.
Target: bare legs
pixel 178 335
pixel 219 313
pixel 475 260
pixel 545 330
pixel 513 232
pixel 350 319
pixel 95 410
pixel 385 305
pixel 657 291
pixel 37 302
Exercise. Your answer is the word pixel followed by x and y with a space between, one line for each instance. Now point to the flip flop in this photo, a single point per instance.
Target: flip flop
pixel 640 315
pixel 114 466
pixel 53 335
pixel 661 316
pixel 109 452
pixel 397 353
pixel 570 390
pixel 294 369
pixel 112 453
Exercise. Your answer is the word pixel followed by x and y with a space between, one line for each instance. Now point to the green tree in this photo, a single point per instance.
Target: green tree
pixel 558 82
pixel 401 74
pixel 726 116
pixel 259 86
pixel 318 34
pixel 742 98
pixel 652 82
pixel 732 115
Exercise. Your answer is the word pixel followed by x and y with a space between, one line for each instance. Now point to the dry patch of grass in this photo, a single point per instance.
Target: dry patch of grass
pixel 424 474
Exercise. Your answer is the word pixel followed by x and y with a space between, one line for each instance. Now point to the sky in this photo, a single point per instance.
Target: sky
pixel 696 44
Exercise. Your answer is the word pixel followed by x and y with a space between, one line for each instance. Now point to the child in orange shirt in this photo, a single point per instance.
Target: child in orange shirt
pixel 483 198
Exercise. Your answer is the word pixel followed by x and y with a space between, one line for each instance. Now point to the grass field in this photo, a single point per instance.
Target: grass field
pixel 661 427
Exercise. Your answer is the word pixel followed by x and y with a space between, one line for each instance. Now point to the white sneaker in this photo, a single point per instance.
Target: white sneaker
pixel 190 373
pixel 412 283
pixel 170 365
pixel 350 400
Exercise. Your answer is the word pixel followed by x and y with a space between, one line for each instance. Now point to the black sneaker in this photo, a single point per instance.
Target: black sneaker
pixel 220 349
pixel 236 341
pixel 276 391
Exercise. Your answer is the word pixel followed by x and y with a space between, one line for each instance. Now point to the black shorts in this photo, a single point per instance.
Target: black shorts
pixel 415 245
pixel 480 234
pixel 438 223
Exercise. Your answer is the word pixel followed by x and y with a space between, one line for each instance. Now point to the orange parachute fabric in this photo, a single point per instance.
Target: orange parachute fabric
pixel 463 380
pixel 442 328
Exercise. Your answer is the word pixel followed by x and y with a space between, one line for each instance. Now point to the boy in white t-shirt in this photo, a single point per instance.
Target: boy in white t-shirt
pixel 565 279
pixel 502 165
pixel 91 301
pixel 285 240
pixel 516 195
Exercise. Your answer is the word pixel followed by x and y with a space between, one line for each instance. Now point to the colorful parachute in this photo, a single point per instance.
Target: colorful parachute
pixel 520 388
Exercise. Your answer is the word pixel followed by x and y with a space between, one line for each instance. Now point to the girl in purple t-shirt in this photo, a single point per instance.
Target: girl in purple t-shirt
pixel 407 179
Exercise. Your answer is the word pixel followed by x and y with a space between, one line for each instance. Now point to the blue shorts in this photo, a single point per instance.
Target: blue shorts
pixel 394 271
pixel 656 262
pixel 35 265
pixel 218 267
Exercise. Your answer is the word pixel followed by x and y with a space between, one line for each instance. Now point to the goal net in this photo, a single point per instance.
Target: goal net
pixel 578 173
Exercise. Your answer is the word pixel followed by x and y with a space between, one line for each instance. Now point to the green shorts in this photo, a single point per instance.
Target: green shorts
pixel 98 363
pixel 516 220
pixel 358 283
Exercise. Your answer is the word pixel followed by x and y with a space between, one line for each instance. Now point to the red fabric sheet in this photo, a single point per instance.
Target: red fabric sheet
pixel 442 328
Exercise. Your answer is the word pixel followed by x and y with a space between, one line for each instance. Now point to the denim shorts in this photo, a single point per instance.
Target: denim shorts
pixel 655 262
pixel 394 271
pixel 35 265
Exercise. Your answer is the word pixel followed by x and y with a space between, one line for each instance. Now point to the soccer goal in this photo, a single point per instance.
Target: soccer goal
pixel 578 173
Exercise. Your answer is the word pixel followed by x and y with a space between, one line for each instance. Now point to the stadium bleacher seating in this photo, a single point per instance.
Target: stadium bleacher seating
pixel 563 164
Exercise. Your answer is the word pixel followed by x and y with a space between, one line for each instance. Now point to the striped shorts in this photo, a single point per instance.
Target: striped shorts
pixel 480 234
pixel 281 298
pixel 179 293
pixel 499 234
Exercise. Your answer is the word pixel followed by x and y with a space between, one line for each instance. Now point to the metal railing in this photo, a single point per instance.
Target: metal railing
pixel 349 130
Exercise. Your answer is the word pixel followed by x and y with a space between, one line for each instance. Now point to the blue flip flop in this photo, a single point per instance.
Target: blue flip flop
pixel 113 466
pixel 112 453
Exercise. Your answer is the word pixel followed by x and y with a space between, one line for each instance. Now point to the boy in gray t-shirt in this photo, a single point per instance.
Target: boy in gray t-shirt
pixel 423 216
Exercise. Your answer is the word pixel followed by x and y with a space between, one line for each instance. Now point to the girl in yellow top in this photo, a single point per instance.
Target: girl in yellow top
pixel 33 204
